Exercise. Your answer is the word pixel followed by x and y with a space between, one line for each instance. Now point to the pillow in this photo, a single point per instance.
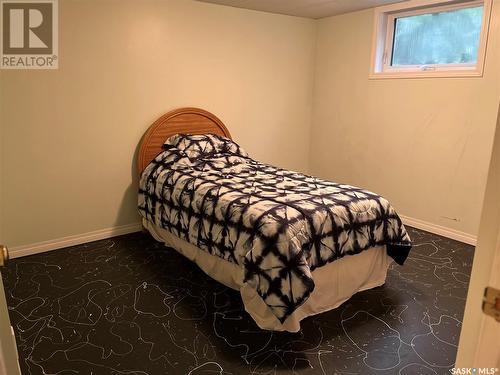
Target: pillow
pixel 204 145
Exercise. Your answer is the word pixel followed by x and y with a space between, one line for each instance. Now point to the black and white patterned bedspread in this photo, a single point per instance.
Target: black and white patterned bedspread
pixel 277 224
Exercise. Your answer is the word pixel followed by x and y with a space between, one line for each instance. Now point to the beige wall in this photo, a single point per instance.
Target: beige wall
pixel 70 134
pixel 423 143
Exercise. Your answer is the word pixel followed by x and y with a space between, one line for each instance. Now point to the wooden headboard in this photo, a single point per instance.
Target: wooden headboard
pixel 182 120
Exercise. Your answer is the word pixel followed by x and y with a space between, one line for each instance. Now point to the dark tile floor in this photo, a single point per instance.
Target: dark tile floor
pixel 130 306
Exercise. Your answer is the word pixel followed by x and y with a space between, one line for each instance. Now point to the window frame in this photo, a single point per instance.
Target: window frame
pixel 383 39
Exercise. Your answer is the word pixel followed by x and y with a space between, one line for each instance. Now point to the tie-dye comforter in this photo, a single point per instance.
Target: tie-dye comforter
pixel 277 224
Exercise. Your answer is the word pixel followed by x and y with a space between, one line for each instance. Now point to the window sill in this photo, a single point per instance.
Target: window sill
pixel 470 73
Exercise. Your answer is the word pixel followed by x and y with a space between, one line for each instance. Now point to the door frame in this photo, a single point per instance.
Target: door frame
pixel 475 348
pixel 9 362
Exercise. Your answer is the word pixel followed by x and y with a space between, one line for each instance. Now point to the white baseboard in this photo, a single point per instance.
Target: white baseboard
pixel 440 230
pixel 58 243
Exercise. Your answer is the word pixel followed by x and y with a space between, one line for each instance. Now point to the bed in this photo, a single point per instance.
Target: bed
pixel 293 245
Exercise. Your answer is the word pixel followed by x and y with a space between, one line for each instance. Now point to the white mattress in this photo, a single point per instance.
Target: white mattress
pixel 335 282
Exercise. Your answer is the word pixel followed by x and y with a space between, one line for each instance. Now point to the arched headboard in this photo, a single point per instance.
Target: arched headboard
pixel 182 120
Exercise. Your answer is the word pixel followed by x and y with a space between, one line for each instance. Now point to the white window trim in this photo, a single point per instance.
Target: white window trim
pixel 382 41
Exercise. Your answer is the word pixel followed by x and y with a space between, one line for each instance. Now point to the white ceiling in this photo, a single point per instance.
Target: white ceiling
pixel 304 8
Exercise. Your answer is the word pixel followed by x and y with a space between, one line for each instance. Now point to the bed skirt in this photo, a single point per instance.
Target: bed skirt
pixel 335 282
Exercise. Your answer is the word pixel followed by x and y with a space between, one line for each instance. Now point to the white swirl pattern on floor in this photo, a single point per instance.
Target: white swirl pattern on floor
pixel 130 306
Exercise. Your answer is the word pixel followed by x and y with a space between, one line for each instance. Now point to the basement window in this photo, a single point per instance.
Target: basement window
pixel 430 39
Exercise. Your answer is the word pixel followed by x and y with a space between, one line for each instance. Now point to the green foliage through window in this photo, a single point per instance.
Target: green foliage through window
pixel 448 37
